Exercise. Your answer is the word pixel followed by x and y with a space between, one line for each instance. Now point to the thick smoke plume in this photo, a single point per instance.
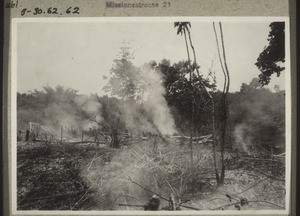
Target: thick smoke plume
pixel 58 107
pixel 154 101
pixel 136 118
pixel 75 111
pixel 147 109
pixel 92 107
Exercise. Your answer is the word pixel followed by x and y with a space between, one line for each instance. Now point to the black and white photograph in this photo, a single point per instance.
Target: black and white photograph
pixel 125 114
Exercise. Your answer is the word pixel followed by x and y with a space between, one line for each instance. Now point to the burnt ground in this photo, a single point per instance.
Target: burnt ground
pixel 49 176
pixel 90 177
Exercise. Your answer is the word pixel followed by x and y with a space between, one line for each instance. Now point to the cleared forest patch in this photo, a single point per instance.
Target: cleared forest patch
pixel 129 132
pixel 168 173
pixel 89 177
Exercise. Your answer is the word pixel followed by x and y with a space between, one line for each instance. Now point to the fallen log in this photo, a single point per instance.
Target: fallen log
pixel 82 142
pixel 260 159
pixel 67 142
pixel 38 140
pixel 194 138
pixel 131 205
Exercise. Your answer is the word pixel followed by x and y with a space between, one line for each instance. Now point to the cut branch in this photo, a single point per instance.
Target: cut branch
pixel 265 174
pixel 252 201
pixel 252 186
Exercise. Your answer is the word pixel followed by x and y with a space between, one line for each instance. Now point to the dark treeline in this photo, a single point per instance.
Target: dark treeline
pixel 256 115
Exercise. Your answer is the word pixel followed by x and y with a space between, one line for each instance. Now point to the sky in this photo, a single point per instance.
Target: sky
pixel 77 54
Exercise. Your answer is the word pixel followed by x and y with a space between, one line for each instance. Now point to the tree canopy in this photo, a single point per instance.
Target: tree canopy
pixel 270 59
pixel 125 81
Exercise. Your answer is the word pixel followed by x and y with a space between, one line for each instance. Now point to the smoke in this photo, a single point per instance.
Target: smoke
pixel 244 133
pixel 59 114
pixel 242 138
pixel 92 107
pixel 149 113
pixel 89 105
pixel 76 113
pixel 135 118
pixel 154 101
pixel 259 115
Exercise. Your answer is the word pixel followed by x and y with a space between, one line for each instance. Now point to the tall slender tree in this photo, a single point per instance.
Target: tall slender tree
pixel 197 83
pixel 224 102
pixel 183 29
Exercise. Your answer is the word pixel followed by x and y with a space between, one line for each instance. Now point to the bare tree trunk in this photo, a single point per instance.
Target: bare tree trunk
pixel 214 142
pixel 193 108
pixel 224 56
pixel 191 138
pixel 172 205
pixel 61 134
pixel 223 136
pixel 194 53
pixel 192 155
pixel 224 102
pixel 155 144
pixel 220 58
pixel 115 140
pixel 186 45
pixel 225 105
pixel 27 135
pixel 191 43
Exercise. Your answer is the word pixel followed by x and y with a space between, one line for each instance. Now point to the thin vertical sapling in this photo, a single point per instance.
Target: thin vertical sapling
pixel 224 103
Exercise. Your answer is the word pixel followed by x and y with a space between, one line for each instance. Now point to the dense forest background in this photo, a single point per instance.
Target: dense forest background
pixel 257 115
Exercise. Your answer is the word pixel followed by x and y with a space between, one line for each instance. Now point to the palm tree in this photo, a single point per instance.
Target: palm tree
pixel 183 28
